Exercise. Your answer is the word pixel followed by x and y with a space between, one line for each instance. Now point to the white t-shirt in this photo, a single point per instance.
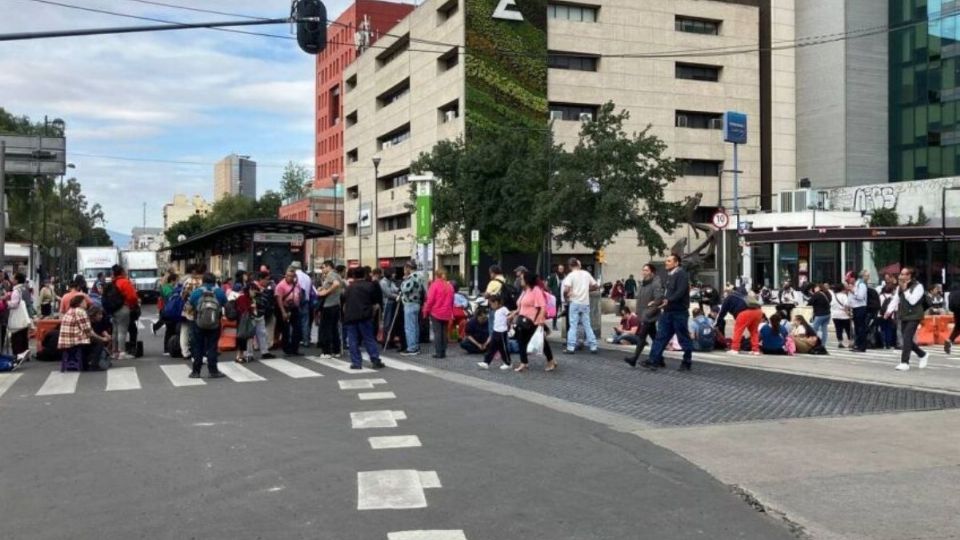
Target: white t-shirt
pixel 500 320
pixel 579 282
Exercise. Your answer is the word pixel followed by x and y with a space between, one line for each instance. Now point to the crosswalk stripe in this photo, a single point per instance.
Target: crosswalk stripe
pixel 427 535
pixel 339 365
pixel 122 378
pixel 290 369
pixel 178 375
pixel 403 366
pixel 7 380
pixel 59 383
pixel 238 373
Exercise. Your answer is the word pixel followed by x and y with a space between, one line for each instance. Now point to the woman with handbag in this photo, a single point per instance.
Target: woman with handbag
pixel 246 323
pixel 531 317
pixel 20 322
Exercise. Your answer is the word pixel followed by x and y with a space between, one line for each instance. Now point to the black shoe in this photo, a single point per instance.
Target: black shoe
pixel 650 365
pixel 684 366
pixel 214 375
pixel 631 361
pixel 194 375
pixel 378 365
pixel 947 346
pixel 435 356
pixel 267 356
pixel 355 367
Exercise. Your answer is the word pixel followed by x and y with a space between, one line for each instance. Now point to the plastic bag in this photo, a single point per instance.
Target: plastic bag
pixel 536 342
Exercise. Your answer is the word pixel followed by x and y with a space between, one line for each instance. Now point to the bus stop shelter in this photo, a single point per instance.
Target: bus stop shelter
pixel 248 245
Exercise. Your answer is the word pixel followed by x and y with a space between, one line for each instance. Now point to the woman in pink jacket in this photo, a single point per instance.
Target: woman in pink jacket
pixel 439 307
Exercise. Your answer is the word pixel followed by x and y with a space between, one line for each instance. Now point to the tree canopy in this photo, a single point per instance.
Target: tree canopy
pixel 229 209
pixel 293 183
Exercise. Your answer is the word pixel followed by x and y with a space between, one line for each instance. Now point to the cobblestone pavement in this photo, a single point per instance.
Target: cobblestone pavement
pixel 710 394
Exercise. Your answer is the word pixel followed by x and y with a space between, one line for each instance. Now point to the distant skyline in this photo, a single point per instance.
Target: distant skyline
pixel 179 101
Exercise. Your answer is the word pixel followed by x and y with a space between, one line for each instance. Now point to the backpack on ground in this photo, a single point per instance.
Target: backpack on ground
pixel 112 298
pixel 873 300
pixel 509 295
pixel 208 311
pixel 705 336
pixel 173 304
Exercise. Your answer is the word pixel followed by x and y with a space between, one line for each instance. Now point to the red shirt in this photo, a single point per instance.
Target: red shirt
pixel 127 290
pixel 629 323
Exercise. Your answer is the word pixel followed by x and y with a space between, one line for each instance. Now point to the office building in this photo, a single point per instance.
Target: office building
pixel 235 175
pixel 182 207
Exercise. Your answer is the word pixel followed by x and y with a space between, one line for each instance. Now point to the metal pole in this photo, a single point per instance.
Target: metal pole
pixel 736 208
pixel 336 220
pixel 943 237
pixel 376 213
pixel 3 204
pixel 359 228
pixel 145 28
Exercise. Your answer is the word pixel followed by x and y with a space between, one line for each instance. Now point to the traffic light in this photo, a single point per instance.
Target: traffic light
pixel 601 257
pixel 311 34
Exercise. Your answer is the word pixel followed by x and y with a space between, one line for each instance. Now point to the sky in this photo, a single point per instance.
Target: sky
pixel 189 96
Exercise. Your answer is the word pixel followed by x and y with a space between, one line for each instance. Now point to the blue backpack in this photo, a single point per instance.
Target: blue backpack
pixel 173 304
pixel 705 336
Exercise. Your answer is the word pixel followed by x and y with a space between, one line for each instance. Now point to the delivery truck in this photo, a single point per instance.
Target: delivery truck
pixel 141 267
pixel 94 260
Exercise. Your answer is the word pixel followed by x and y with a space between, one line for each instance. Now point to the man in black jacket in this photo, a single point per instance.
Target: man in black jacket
pixel 674 319
pixel 359 299
pixel 648 310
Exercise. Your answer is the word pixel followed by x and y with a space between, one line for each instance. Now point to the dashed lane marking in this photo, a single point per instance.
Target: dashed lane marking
pixel 368 396
pixel 59 383
pixel 376 419
pixel 427 535
pixel 393 363
pixel 359 384
pixel 339 365
pixel 394 490
pixel 399 441
pixel 122 378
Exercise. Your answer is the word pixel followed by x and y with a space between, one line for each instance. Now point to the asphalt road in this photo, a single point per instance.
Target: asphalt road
pixel 279 458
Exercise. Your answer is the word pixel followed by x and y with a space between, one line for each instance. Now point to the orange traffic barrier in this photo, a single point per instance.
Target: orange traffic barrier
pixel 228 336
pixel 44 327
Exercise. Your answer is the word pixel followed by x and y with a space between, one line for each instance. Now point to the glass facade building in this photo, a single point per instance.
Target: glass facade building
pixel 924 68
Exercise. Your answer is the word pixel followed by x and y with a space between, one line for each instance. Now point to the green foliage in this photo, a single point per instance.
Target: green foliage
pixel 294 180
pixel 613 182
pixel 885 253
pixel 189 227
pixel 885 217
pixel 22 125
pixel 230 209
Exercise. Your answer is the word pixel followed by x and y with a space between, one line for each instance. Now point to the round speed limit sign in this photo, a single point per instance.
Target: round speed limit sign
pixel 720 219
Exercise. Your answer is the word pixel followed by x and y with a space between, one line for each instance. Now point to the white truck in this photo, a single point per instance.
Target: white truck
pixel 142 269
pixel 94 260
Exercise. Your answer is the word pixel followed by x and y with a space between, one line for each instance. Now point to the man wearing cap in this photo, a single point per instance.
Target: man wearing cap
pixel 518 277
pixel 857 300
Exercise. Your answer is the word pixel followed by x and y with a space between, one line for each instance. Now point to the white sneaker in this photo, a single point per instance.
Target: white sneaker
pixel 505 367
pixel 733 351
pixel 903 367
pixel 325 357
pixel 923 361
pixel 483 365
pixel 123 356
pixel 609 340
pixel 755 353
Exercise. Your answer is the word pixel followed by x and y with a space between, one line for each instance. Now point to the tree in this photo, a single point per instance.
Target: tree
pixel 613 182
pixel 294 181
pixel 885 253
pixel 269 205
pixel 192 226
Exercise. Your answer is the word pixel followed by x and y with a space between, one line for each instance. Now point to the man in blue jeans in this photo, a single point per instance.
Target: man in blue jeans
pixel 358 312
pixel 576 291
pixel 674 319
pixel 412 292
pixel 205 327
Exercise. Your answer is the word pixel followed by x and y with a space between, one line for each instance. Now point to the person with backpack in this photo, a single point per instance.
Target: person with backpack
pixel 329 299
pixel 576 292
pixel 701 331
pixel 119 301
pixel 910 306
pixel 206 302
pixel 412 293
pixel 47 298
pixel 190 283
pixel 288 295
pixel 19 321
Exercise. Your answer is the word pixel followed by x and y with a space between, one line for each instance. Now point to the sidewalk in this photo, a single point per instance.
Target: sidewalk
pixel 874 366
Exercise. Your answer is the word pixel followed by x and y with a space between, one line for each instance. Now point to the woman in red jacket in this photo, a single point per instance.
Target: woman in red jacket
pixel 439 307
pixel 245 306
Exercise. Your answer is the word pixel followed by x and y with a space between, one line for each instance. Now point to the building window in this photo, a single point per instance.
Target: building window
pixel 449 112
pixel 394 94
pixel 573 112
pixel 351 82
pixel 447 10
pixel 394 223
pixel 572 12
pixel 353 192
pixel 334 101
pixel 399 47
pixel 448 60
pixel 394 137
pixel 395 180
pixel 353 156
pixel 351 119
pixel 698 72
pixel 572 61
pixel 700 167
pixel 699 120
pixel 694 25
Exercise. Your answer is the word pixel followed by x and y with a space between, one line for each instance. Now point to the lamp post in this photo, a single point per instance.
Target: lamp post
pixel 376 210
pixel 336 214
pixel 60 268
pixel 359 228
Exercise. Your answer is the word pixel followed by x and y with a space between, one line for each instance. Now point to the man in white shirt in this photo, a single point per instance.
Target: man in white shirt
pixel 576 292
pixel 908 304
pixel 306 286
pixel 857 300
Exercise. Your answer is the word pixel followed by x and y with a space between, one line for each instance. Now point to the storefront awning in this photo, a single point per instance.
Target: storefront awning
pixel 850 234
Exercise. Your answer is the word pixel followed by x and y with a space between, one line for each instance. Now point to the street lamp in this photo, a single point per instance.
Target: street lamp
pixel 376 210
pixel 336 215
pixel 61 269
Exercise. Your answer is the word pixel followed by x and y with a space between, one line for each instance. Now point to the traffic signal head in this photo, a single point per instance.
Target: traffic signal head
pixel 311 34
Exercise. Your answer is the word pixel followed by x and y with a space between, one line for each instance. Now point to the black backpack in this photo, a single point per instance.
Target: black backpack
pixel 873 300
pixel 112 299
pixel 509 294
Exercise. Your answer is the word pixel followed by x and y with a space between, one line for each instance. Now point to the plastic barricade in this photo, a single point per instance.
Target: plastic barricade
pixel 926 332
pixel 228 336
pixel 44 327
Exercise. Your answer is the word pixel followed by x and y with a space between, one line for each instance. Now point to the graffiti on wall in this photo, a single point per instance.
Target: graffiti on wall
pixel 906 197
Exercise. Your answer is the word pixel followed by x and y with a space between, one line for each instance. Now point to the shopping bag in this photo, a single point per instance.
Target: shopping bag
pixel 536 342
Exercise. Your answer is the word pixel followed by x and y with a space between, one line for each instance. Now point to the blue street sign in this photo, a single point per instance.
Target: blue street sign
pixel 735 127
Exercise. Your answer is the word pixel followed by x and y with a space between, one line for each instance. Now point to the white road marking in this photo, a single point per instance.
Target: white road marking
pixel 238 373
pixel 290 369
pixel 339 365
pixel 399 365
pixel 427 535
pixel 376 419
pixel 399 441
pixel 394 490
pixel 359 384
pixel 178 375
pixel 7 380
pixel 367 396
pixel 122 378
pixel 59 383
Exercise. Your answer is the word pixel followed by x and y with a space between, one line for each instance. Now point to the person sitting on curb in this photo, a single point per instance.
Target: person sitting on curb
pixel 626 331
pixel 477 334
